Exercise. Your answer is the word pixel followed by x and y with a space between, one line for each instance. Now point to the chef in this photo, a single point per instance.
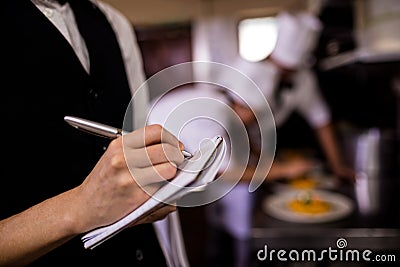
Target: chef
pixel 288 83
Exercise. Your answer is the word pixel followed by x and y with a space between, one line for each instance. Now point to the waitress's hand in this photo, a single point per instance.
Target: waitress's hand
pixel 145 156
pixel 157 215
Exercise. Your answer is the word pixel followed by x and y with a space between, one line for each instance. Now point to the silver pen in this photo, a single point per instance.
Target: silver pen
pixel 103 130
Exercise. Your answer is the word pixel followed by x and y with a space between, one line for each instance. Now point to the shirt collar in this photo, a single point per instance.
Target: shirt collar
pixel 47 3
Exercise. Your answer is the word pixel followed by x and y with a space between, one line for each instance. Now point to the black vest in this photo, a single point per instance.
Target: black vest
pixel 42 81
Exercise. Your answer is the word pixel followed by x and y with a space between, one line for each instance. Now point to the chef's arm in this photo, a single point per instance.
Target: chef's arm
pixel 328 142
pixel 279 170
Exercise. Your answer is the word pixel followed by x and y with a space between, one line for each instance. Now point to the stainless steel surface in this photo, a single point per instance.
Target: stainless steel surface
pixel 370 150
pixel 377 228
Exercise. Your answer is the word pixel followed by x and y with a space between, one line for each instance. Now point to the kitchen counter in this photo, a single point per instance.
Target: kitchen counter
pixel 374 223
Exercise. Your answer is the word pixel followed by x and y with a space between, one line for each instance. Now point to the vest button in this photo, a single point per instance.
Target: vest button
pixel 139 255
pixel 93 93
pixel 48 12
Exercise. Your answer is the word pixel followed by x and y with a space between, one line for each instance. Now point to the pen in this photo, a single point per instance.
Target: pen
pixel 102 129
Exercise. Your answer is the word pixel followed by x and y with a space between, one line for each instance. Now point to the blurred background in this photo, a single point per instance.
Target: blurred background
pixel 357 63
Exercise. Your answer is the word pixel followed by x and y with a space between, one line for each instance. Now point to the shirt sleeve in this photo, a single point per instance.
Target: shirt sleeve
pixel 311 104
pixel 133 62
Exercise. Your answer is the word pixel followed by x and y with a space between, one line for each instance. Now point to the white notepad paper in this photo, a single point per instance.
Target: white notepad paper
pixel 193 175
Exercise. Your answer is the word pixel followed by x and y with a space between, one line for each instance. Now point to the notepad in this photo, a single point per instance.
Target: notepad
pixel 193 175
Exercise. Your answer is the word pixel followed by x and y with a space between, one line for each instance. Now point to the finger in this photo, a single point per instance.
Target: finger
pixel 154 174
pixel 162 212
pixel 181 146
pixel 153 155
pixel 149 135
pixel 159 214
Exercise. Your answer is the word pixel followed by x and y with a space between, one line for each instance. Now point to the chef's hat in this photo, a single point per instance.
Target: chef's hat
pixel 297 37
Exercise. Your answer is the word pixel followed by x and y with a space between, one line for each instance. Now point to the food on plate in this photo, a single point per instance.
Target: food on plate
pixel 309 203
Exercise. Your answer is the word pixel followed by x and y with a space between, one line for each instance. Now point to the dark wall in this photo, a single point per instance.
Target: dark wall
pixel 163 46
pixel 360 94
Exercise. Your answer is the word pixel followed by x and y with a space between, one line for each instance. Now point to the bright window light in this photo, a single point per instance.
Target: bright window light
pixel 257 38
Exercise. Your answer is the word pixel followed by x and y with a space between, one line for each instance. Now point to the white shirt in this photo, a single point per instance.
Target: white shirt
pixel 190 112
pixel 304 96
pixel 63 18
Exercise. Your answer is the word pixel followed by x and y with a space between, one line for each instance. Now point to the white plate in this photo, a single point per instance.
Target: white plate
pixel 277 206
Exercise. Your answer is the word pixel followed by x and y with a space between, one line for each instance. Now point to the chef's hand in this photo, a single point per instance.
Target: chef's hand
pixel 245 114
pixel 344 173
pixel 291 168
pixel 297 166
pixel 111 190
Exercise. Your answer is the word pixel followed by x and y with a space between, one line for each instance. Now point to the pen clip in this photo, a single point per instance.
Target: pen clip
pixel 186 154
